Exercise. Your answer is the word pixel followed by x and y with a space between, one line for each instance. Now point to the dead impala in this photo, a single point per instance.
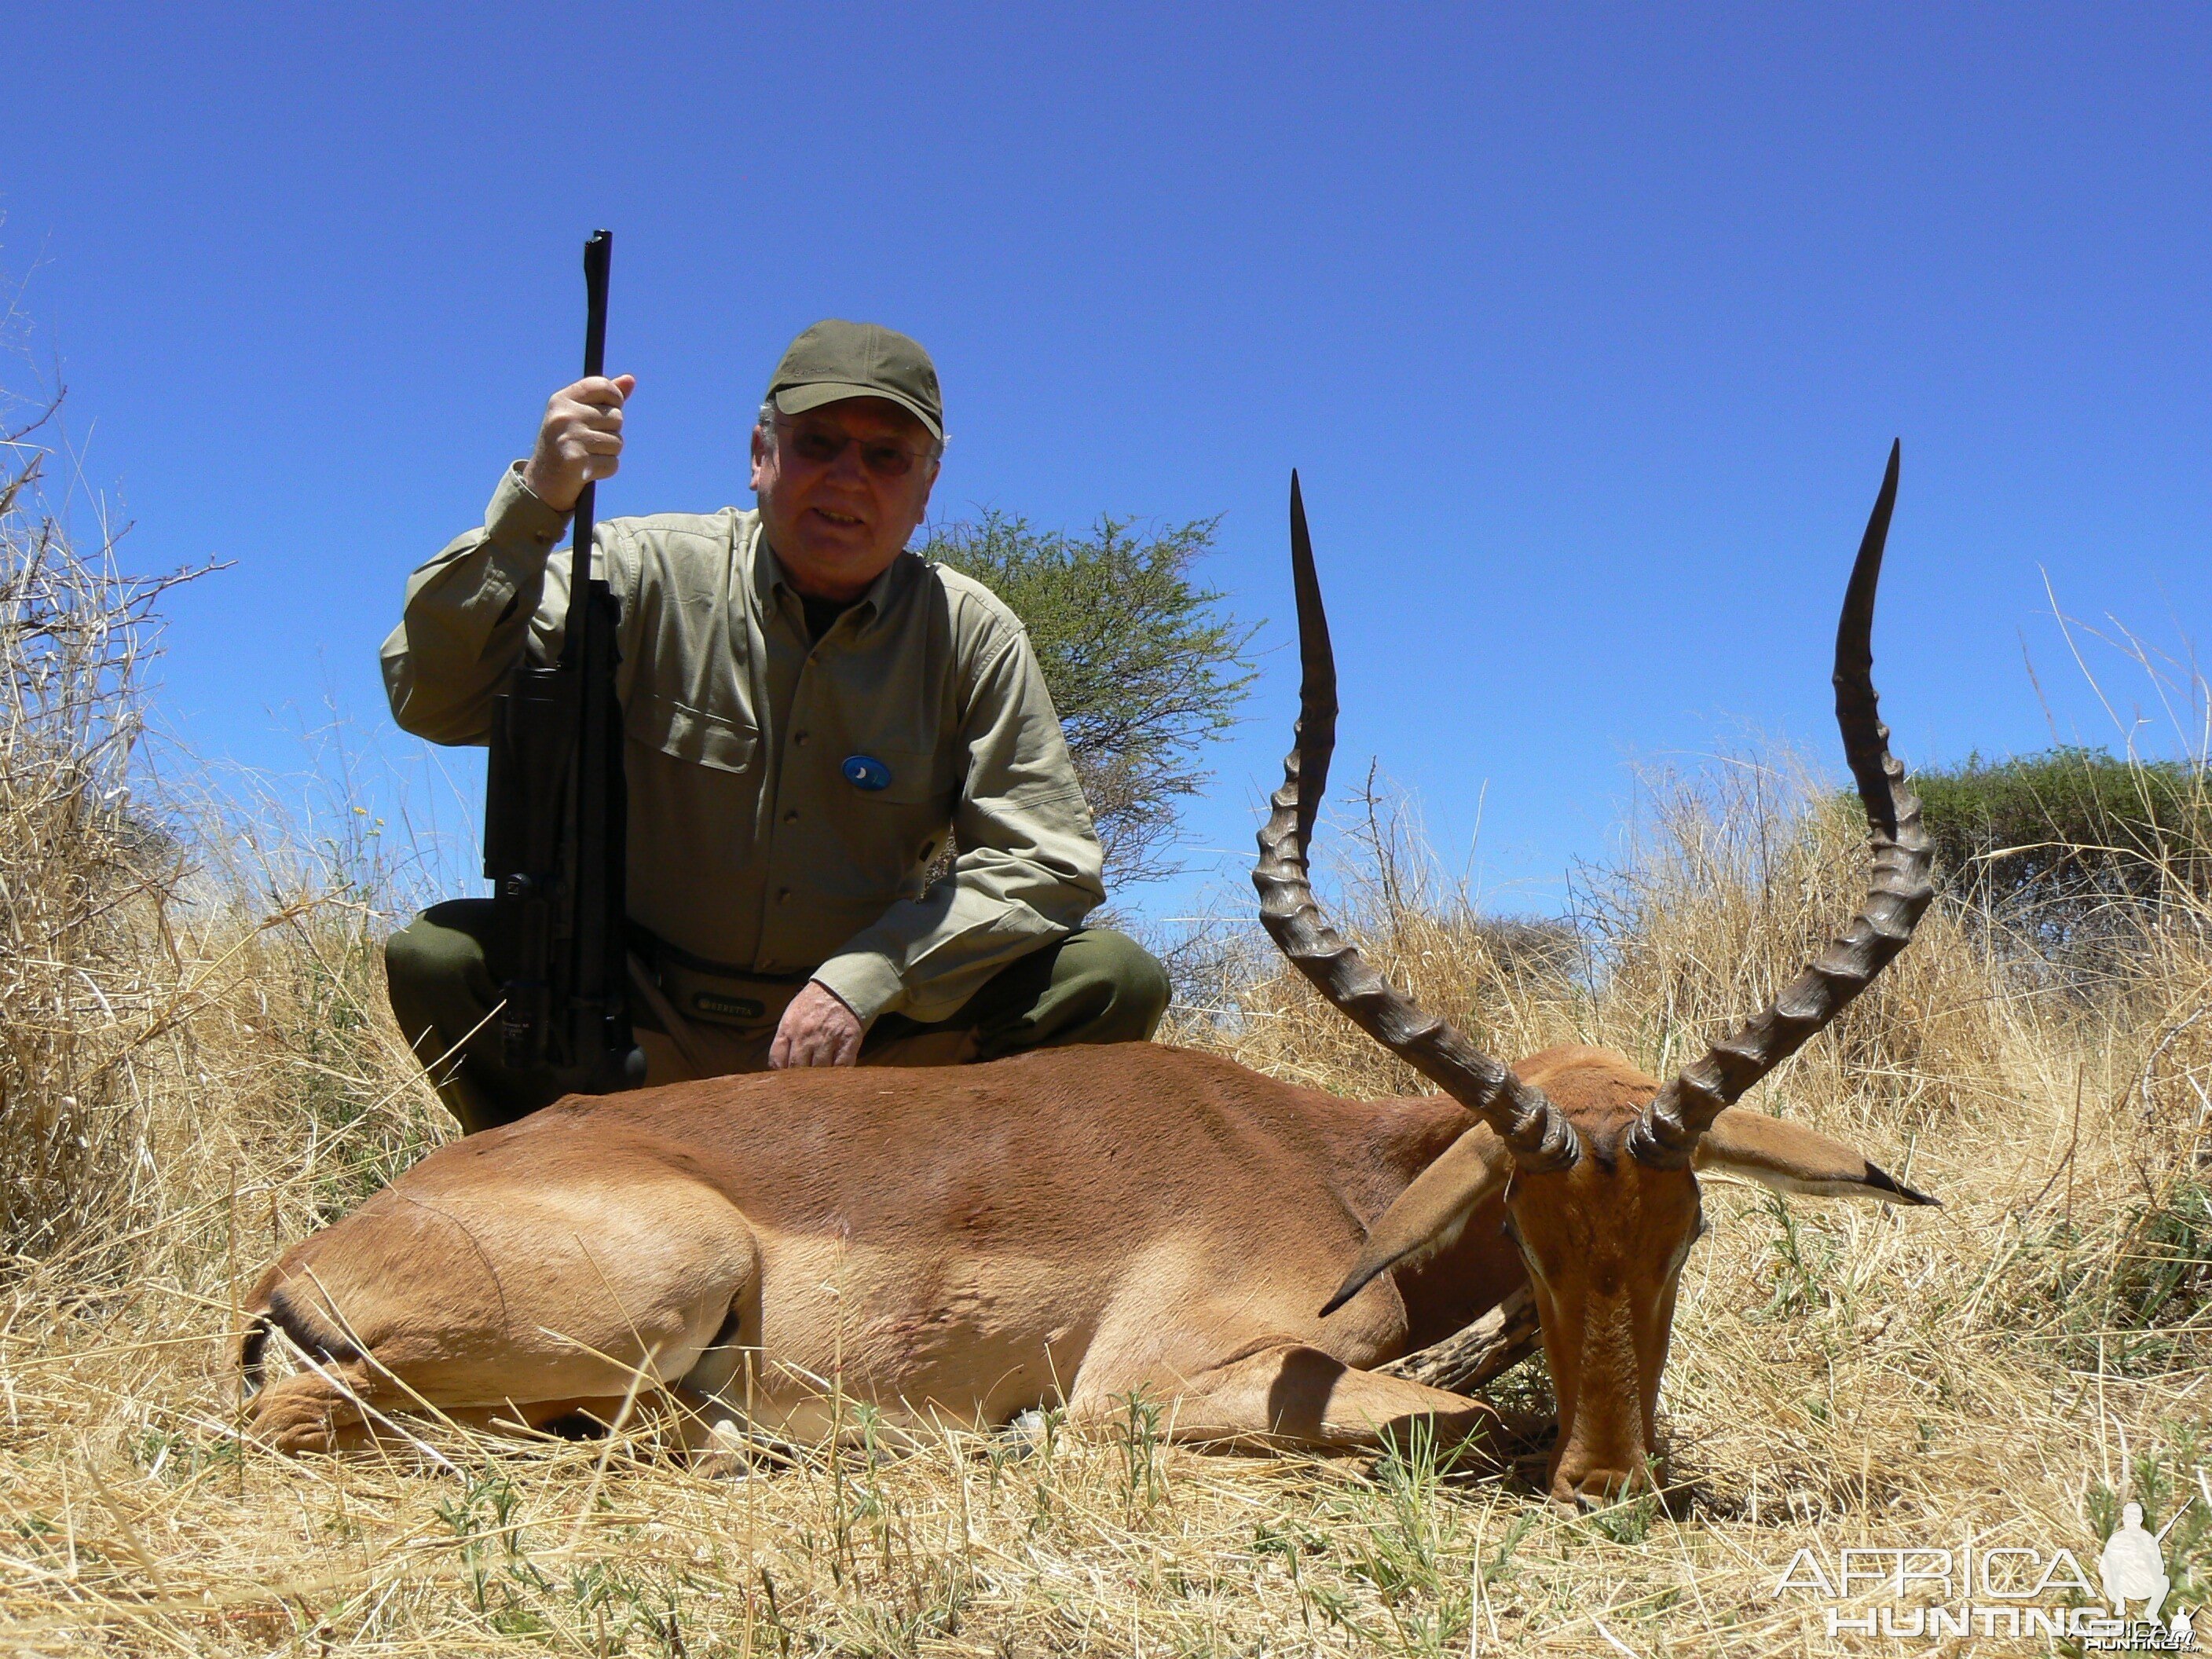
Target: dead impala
pixel 1074 1224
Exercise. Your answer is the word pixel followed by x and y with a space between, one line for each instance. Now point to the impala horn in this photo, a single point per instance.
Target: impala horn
pixel 1538 1135
pixel 1667 1135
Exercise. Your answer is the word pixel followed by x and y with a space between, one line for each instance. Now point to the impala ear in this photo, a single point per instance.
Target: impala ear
pixel 1792 1158
pixel 1427 1216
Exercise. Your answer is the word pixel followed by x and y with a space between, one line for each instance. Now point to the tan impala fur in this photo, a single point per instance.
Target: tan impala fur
pixel 1079 1225
pixel 1072 1224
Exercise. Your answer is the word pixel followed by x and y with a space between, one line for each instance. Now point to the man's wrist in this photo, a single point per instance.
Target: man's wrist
pixel 863 981
pixel 527 475
pixel 833 996
pixel 520 519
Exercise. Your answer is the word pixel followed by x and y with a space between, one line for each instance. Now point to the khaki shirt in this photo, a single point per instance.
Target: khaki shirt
pixel 747 845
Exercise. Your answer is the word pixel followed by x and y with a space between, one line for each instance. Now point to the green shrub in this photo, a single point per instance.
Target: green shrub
pixel 2078 818
pixel 1144 670
pixel 2076 850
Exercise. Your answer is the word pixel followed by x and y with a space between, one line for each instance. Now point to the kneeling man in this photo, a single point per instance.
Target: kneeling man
pixel 810 712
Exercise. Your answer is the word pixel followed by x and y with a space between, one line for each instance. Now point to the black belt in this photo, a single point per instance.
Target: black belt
pixel 703 988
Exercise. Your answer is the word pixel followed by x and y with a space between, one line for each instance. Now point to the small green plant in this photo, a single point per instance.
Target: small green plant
pixel 1626 1521
pixel 1044 1450
pixel 1500 1566
pixel 482 1516
pixel 611 1608
pixel 2132 1294
pixel 1138 1438
pixel 1798 1271
pixel 2169 1481
pixel 176 1457
pixel 1402 1544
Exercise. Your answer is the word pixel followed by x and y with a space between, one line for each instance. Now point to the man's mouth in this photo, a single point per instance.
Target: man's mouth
pixel 842 520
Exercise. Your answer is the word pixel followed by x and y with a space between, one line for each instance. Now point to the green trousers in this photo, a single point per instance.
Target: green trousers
pixel 445 968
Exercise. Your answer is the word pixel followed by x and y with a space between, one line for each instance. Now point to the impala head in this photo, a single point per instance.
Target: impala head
pixel 1597 1162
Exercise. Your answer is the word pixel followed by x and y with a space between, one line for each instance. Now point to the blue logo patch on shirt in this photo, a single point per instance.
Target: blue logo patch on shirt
pixel 865 772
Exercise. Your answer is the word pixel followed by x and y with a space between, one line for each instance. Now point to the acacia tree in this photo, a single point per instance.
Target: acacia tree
pixel 1144 667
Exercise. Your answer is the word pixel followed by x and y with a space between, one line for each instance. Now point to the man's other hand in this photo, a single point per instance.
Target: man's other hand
pixel 579 439
pixel 817 1028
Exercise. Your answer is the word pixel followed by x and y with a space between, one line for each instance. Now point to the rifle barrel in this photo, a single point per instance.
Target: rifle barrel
pixel 598 256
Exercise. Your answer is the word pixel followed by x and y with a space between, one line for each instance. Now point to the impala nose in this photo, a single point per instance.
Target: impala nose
pixel 1595 1489
pixel 1590 1478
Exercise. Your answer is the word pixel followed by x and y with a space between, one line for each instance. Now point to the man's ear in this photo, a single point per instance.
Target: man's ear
pixel 759 454
pixel 1428 1215
pixel 1792 1158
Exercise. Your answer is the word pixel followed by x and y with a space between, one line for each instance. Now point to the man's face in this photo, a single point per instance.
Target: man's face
pixel 836 507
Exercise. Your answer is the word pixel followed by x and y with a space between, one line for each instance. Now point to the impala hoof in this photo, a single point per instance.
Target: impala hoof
pixel 1026 1433
pixel 725 1456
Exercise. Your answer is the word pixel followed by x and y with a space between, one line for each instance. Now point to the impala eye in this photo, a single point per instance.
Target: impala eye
pixel 1682 1251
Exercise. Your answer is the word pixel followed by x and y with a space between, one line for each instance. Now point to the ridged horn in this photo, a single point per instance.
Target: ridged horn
pixel 1901 887
pixel 1539 1136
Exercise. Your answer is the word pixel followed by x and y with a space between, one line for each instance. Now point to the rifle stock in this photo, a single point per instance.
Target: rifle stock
pixel 555 812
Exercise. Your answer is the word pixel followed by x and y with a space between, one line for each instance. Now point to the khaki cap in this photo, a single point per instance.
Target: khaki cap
pixel 836 359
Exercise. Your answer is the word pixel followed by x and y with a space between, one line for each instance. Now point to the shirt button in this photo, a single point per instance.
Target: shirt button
pixel 800 737
pixel 783 896
pixel 792 817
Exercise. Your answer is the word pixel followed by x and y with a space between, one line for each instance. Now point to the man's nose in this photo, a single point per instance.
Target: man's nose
pixel 845 467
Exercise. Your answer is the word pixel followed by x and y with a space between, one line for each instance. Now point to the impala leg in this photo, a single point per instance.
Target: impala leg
pixel 313 1412
pixel 1289 1393
pixel 345 1409
pixel 497 1308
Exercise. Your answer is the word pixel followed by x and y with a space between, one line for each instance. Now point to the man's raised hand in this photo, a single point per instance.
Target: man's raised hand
pixel 579 439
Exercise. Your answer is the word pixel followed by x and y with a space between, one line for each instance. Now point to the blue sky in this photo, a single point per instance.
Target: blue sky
pixel 1586 326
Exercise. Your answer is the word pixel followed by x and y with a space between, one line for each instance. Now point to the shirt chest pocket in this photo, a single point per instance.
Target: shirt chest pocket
pixel 686 733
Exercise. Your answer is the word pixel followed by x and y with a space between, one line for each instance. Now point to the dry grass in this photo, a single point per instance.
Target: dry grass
pixel 199 1068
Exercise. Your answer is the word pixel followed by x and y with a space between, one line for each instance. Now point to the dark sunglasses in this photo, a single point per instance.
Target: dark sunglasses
pixel 818 446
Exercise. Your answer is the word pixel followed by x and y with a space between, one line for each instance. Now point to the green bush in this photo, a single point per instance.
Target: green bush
pixel 1143 667
pixel 2077 844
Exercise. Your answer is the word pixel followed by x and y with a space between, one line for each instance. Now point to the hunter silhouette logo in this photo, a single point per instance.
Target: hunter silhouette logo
pixel 2132 1566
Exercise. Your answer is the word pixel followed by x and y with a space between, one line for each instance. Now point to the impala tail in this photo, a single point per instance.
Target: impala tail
pixel 269 1310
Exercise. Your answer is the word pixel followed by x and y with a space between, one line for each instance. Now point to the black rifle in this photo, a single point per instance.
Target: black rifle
pixel 555 817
